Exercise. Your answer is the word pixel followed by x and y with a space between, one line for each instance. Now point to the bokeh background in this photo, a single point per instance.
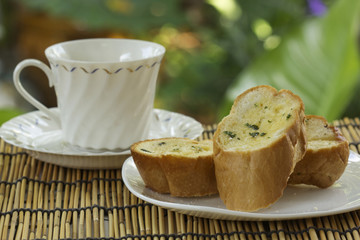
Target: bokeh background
pixel 215 49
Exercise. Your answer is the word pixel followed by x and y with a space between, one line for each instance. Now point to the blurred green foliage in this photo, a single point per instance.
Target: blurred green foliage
pixel 319 61
pixel 209 42
pixel 135 16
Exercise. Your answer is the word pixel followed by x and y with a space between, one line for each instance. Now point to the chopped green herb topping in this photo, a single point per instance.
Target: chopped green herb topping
pixel 196 149
pixel 266 107
pixel 176 149
pixel 269 121
pixel 254 134
pixel 288 116
pixel 255 105
pixel 230 134
pixel 162 143
pixel 252 126
pixel 144 150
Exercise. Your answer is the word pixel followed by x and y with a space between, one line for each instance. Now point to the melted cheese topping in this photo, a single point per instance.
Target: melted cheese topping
pixel 178 147
pixel 258 122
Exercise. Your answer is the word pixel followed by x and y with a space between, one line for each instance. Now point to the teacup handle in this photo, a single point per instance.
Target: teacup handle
pixel 19 87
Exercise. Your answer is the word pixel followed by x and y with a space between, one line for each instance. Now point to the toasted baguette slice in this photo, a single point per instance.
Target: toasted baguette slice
pixel 179 166
pixel 326 155
pixel 257 146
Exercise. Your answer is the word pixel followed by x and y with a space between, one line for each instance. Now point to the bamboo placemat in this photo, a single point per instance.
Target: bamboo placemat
pixel 43 201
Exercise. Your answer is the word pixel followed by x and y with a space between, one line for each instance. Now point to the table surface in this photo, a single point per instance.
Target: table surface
pixel 43 201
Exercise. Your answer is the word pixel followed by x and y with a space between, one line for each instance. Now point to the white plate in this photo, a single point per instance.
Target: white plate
pixel 297 202
pixel 41 138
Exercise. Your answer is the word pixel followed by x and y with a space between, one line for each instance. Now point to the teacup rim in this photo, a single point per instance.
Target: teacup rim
pixel 50 56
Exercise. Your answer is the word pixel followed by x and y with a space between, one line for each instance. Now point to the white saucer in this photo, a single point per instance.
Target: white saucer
pixel 38 135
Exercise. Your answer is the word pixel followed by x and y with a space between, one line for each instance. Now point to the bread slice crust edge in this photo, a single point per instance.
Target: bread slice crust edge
pixel 251 180
pixel 181 176
pixel 322 166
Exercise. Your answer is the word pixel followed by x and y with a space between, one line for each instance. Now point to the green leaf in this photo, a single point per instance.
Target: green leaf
pixel 8 113
pixel 318 61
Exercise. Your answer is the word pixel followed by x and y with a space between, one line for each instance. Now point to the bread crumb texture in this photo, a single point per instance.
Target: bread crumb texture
pixel 262 117
pixel 320 134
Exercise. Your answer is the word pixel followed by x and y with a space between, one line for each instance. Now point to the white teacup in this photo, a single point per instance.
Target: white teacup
pixel 105 89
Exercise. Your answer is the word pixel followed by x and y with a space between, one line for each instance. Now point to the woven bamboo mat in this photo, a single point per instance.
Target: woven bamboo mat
pixel 44 201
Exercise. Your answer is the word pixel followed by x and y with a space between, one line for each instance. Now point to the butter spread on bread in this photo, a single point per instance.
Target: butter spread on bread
pixel 326 155
pixel 257 146
pixel 179 166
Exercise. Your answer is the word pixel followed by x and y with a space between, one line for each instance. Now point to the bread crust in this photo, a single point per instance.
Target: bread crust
pixel 181 176
pixel 150 171
pixel 322 166
pixel 190 177
pixel 251 180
